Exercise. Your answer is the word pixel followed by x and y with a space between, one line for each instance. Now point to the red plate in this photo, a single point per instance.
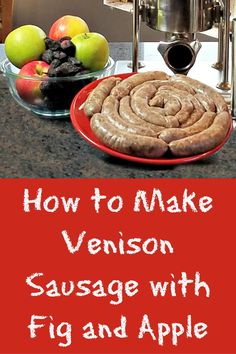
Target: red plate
pixel 81 123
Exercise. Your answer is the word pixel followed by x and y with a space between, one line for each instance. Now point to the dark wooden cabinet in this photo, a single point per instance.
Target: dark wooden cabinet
pixel 6 11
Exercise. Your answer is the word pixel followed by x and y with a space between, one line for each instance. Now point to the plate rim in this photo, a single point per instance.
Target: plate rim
pixel 77 107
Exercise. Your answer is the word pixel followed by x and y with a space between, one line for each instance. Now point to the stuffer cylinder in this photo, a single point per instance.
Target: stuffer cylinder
pixel 180 20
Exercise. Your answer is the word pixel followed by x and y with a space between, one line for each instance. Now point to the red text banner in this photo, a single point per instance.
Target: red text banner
pixel 118 266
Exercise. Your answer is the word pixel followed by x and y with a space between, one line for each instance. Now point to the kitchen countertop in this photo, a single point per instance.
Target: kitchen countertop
pixel 32 147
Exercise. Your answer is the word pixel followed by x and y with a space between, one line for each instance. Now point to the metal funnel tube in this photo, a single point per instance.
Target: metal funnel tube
pixel 179 55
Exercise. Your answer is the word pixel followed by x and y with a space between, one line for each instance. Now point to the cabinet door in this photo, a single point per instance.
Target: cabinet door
pixel 6 14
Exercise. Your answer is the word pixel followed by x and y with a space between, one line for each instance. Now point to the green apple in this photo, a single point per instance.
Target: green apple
pixel 24 44
pixel 92 50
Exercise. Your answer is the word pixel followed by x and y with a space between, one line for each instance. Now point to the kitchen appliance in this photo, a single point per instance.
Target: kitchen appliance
pixel 181 21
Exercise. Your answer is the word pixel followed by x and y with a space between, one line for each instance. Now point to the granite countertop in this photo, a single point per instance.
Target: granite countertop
pixel 37 147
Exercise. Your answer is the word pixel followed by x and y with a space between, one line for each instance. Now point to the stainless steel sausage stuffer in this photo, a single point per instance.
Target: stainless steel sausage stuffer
pixel 181 21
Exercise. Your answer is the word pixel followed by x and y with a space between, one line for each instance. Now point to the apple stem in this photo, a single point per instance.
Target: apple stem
pixel 41 71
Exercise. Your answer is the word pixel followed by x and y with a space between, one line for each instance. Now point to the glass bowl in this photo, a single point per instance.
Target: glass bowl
pixel 58 92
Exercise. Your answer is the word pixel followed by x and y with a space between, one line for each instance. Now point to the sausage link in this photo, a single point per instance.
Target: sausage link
pixel 156 83
pixel 203 123
pixel 199 87
pixel 183 87
pixel 126 85
pixel 129 116
pixel 197 113
pixel 157 101
pixel 94 102
pixel 171 105
pixel 206 102
pixel 159 83
pixel 205 140
pixel 191 109
pixel 139 104
pixel 124 142
pixel 110 111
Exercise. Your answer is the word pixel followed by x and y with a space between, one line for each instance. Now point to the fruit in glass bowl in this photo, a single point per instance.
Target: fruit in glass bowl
pixel 57 92
pixel 47 86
